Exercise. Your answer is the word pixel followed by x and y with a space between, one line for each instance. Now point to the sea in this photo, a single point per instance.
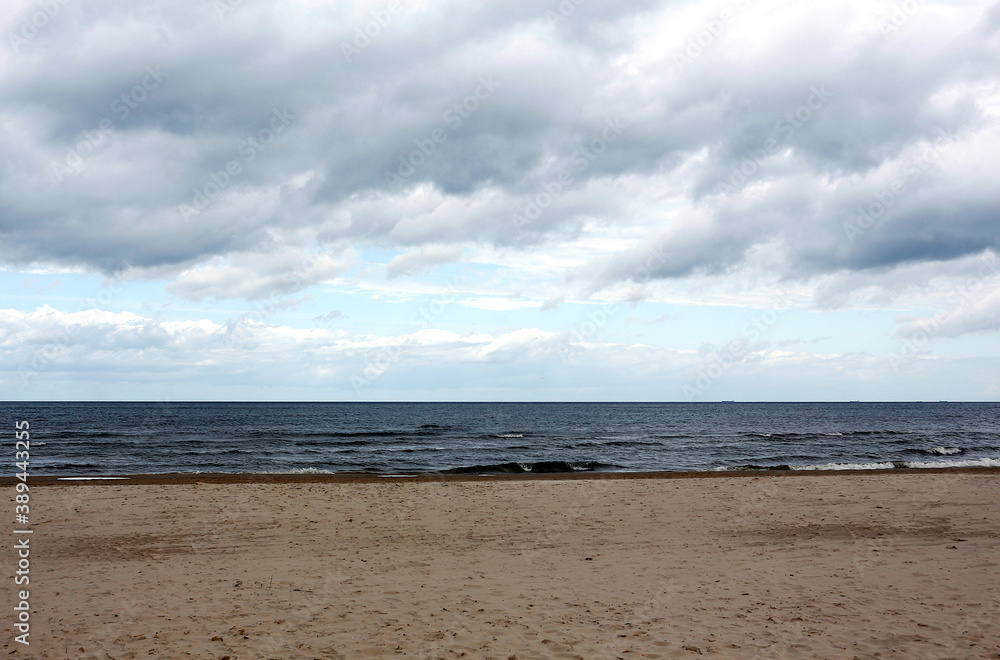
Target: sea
pixel 127 438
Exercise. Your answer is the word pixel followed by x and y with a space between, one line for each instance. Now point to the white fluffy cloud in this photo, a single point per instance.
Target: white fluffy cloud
pixel 98 354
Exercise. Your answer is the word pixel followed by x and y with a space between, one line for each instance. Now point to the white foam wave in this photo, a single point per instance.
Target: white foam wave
pixel 971 462
pixel 846 466
pixel 945 451
pixel 89 478
pixel 510 435
pixel 309 470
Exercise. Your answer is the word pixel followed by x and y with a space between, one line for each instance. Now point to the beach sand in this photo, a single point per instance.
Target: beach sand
pixel 898 564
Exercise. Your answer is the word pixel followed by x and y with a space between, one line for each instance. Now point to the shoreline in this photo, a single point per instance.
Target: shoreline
pixel 181 478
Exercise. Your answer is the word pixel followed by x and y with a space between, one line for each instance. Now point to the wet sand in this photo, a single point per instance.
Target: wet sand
pixel 893 564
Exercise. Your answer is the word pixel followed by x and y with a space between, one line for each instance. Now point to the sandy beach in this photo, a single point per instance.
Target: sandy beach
pixel 899 564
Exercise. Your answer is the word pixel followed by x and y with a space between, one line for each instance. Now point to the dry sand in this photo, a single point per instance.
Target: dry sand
pixel 873 565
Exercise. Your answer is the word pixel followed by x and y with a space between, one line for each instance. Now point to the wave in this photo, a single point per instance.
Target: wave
pixel 508 435
pixel 348 443
pixel 612 443
pixel 969 462
pixel 422 430
pixel 538 467
pixel 751 466
pixel 874 465
pixel 815 434
pixel 389 433
pixel 308 470
pixel 405 450
pixel 881 432
pixel 631 443
pixel 90 478
pixel 885 465
pixel 67 466
pixel 943 451
pixel 888 465
pixel 86 435
pixel 783 436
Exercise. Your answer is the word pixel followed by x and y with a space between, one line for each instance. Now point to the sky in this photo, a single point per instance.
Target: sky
pixel 581 200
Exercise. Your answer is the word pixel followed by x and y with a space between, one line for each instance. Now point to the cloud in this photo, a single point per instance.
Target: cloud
pixel 257 275
pixel 792 342
pixel 423 260
pixel 49 345
pixel 95 354
pixel 552 303
pixel 654 153
pixel 332 315
pixel 497 304
pixel 974 316
pixel 502 125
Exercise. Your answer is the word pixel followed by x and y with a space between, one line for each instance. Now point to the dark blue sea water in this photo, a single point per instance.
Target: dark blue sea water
pixel 80 438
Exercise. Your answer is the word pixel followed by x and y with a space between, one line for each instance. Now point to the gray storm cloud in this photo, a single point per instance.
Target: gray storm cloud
pixel 192 141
